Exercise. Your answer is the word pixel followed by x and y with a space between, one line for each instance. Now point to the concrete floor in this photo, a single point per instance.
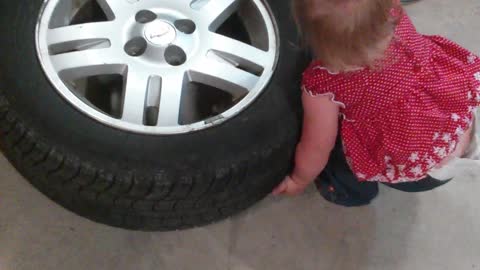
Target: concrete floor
pixel 438 230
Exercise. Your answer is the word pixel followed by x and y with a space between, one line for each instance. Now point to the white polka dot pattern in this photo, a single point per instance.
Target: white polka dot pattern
pixel 408 116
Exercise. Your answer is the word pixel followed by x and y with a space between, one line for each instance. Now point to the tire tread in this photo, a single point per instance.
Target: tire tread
pixel 123 199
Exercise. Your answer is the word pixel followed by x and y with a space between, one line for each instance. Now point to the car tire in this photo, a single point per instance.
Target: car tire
pixel 143 181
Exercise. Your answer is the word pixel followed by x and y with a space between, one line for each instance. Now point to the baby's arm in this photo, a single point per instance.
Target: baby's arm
pixel 320 127
pixel 320 124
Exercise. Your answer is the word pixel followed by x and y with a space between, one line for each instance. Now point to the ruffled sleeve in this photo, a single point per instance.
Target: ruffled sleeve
pixel 318 81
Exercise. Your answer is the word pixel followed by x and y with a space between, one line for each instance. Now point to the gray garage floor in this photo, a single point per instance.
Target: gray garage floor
pixel 437 230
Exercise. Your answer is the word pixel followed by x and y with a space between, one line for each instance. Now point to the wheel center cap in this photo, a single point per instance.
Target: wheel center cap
pixel 160 33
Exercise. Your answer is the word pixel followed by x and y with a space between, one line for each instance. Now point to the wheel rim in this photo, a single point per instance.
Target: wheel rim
pixel 163 55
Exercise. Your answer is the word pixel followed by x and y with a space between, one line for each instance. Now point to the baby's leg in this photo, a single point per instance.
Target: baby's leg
pixel 464 143
pixel 467 150
pixel 467 146
pixel 473 150
pixel 460 150
pixel 339 185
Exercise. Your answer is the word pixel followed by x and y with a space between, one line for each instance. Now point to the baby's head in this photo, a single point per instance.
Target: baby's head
pixel 346 34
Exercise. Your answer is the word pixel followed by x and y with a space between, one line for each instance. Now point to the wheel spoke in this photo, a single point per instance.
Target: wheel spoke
pixel 170 99
pixel 239 53
pixel 79 64
pixel 223 76
pixel 135 93
pixel 218 11
pixel 113 8
pixel 80 32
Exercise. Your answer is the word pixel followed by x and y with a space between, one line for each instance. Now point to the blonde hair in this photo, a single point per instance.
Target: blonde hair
pixel 346 33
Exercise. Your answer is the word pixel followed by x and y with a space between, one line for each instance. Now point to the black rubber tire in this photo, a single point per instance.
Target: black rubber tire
pixel 138 181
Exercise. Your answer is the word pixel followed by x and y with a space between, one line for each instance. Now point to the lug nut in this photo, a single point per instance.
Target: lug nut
pixel 186 26
pixel 136 46
pixel 145 16
pixel 175 55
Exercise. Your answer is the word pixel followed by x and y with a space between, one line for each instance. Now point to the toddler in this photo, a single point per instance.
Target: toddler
pixel 406 102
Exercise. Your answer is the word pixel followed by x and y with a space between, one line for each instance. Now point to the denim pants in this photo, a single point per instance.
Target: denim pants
pixel 338 184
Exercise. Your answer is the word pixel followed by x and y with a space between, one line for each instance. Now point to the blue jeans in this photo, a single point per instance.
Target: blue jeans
pixel 339 185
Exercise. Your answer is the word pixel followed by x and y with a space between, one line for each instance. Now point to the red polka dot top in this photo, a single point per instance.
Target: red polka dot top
pixel 402 120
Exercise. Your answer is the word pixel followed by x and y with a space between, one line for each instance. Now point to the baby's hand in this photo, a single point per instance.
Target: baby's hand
pixel 290 186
